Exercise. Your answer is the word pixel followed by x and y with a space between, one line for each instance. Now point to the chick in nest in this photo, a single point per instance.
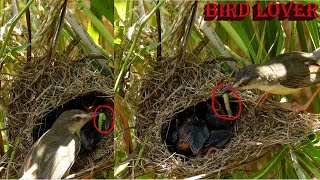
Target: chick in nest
pixel 201 132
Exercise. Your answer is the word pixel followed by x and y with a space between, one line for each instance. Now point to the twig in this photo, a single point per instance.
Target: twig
pixel 57 33
pixel 87 40
pixel 186 40
pixel 29 34
pixel 72 44
pixel 159 33
pixel 200 46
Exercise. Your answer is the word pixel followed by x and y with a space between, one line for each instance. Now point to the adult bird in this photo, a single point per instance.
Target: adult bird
pixel 283 75
pixel 53 154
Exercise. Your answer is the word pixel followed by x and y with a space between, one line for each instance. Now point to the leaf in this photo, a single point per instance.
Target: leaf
pixel 281 37
pixel 147 175
pixel 309 165
pixel 314 33
pixel 302 37
pixel 13 24
pixel 300 172
pixel 278 157
pixel 105 7
pixel 289 171
pixel 271 29
pixel 241 42
pixel 293 36
pixel 239 175
pixel 120 168
pixel 313 153
pixel 98 24
pixel 130 52
pixel 15 50
pixel 120 9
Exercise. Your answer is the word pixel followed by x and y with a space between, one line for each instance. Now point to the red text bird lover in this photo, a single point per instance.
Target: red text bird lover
pixel 232 11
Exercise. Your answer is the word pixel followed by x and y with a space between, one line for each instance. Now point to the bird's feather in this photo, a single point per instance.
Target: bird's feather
pixel 60 152
pixel 218 138
pixel 195 133
pixel 300 71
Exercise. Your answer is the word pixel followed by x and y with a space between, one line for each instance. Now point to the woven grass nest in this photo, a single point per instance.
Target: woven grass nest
pixel 42 90
pixel 176 84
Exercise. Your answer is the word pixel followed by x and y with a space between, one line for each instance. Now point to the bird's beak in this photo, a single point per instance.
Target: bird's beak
pixel 236 85
pixel 90 117
pixel 226 91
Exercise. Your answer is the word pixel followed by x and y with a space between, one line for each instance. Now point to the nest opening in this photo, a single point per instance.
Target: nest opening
pixel 171 132
pixel 88 102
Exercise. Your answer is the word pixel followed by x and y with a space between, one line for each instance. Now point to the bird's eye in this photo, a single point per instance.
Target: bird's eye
pixel 77 118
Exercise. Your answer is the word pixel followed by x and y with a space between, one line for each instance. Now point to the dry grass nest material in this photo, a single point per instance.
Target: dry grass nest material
pixel 42 86
pixel 177 84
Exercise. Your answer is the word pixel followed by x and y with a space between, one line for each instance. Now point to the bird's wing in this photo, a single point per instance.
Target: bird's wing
pixel 28 162
pixel 58 161
pixel 195 133
pixel 301 71
pixel 53 156
pixel 218 138
pixel 297 78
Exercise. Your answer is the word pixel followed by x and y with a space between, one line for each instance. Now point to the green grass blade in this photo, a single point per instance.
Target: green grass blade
pixel 309 165
pixel 237 38
pixel 290 173
pixel 278 157
pixel 261 47
pixel 15 21
pixel 300 172
pixel 98 24
pixel 302 37
pixel 239 175
pixel 147 175
pixel 314 33
pixel 127 59
pixel 293 36
pixel 120 10
pixel 281 41
pixel 271 29
pixel 105 7
pixel 312 152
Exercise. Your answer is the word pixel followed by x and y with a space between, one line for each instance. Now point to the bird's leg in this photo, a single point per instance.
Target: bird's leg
pixel 207 151
pixel 200 153
pixel 296 108
pixel 305 107
pixel 212 150
pixel 262 99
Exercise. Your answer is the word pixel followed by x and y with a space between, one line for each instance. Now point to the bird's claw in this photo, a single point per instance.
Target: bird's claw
pixel 207 151
pixel 295 108
pixel 212 150
pixel 262 99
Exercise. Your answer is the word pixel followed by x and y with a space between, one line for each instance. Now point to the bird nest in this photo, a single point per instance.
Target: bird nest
pixel 42 90
pixel 177 84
